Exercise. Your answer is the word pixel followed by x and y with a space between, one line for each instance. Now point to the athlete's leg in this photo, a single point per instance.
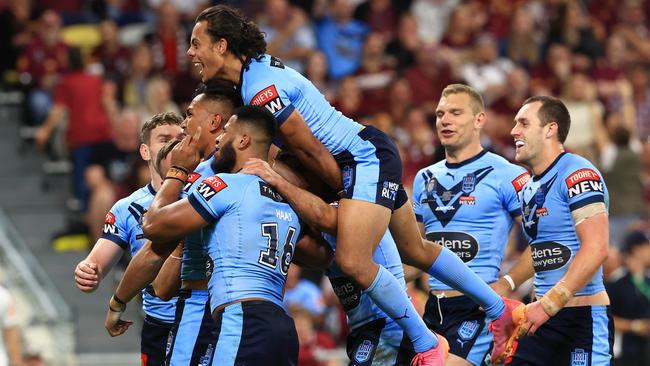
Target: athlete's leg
pixel 361 226
pixel 454 360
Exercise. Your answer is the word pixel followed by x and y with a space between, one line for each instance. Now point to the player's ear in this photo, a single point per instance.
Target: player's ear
pixel 145 154
pixel 480 120
pixel 215 123
pixel 244 141
pixel 222 46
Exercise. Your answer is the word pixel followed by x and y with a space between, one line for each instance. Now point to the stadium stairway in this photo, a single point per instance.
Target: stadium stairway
pixel 34 215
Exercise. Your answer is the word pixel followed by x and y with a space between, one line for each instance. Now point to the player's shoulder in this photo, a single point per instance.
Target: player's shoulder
pixel 574 167
pixel 433 168
pixel 141 194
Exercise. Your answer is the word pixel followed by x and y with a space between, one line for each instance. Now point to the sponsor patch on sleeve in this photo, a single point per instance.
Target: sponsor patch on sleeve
pixel 269 99
pixel 190 180
pixel 211 186
pixel 520 181
pixel 109 224
pixel 583 180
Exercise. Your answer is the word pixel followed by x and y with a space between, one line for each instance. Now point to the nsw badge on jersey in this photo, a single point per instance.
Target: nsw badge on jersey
pixel 364 351
pixel 579 357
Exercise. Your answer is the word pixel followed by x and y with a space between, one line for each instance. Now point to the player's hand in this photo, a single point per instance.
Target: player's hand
pixel 114 325
pixel 186 154
pixel 501 287
pixel 262 169
pixel 41 137
pixel 535 317
pixel 86 277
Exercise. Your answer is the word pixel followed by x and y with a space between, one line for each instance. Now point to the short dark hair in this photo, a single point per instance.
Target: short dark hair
pixel 553 110
pixel 162 154
pixel 260 119
pixel 219 90
pixel 245 39
pixel 159 119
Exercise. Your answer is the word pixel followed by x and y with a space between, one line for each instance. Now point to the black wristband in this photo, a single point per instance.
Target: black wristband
pixel 187 172
pixel 177 178
pixel 118 300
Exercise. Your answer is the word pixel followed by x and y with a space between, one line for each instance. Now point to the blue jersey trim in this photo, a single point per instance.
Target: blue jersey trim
pixel 151 190
pixel 540 176
pixel 285 114
pixel 419 218
pixel 232 324
pixel 589 200
pixel 465 162
pixel 516 212
pixel 115 239
pixel 207 216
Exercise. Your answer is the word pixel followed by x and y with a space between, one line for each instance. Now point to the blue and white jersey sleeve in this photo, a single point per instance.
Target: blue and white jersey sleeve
pixel 212 198
pixel 516 178
pixel 203 170
pixel 267 87
pixel 418 190
pixel 116 227
pixel 583 184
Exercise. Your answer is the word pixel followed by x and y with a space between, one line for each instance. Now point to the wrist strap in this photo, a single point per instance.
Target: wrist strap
pixel 175 257
pixel 116 305
pixel 175 173
pixel 555 299
pixel 510 281
pixel 178 167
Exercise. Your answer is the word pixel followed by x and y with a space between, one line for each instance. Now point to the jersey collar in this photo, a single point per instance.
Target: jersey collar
pixel 465 162
pixel 151 190
pixel 538 177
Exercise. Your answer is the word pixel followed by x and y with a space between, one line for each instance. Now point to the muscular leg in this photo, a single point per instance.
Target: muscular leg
pixel 454 360
pixel 361 226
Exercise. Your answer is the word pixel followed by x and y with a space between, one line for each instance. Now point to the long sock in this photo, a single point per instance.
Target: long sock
pixel 451 270
pixel 390 296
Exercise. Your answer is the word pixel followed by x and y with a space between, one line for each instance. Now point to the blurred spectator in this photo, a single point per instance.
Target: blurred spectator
pixel 119 11
pixel 113 56
pixel 571 28
pixel 400 100
pixel 416 138
pixel 158 99
pixel 638 77
pixel 169 41
pixel 42 63
pixel 88 122
pixel 109 166
pixel 348 98
pixel 381 15
pixel 311 341
pixel 609 74
pixel 587 134
pixel 604 15
pixel 341 38
pixel 621 168
pixel 403 47
pixel 432 17
pixel 316 72
pixel 633 28
pixel 72 11
pixel 303 293
pixel 15 26
pixel 376 73
pixel 431 73
pixel 10 338
pixel 135 86
pixel 500 15
pixel 187 9
pixel 462 28
pixel 288 33
pixel 523 43
pixel 630 302
pixel 548 78
pixel 486 72
pixel 502 113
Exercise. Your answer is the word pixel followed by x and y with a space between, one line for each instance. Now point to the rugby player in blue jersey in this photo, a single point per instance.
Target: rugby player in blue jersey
pixel 250 234
pixel 466 203
pixel 122 231
pixel 345 154
pixel 564 211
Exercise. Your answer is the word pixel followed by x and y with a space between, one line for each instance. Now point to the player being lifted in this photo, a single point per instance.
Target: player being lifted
pixel 361 160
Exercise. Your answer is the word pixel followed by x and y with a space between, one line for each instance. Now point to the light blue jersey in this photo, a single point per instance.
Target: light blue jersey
pixel 250 239
pixel 266 81
pixel 469 208
pixel 195 259
pixel 123 226
pixel 359 307
pixel 547 200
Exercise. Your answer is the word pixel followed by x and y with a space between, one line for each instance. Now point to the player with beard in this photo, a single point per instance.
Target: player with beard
pixel 564 210
pixel 249 232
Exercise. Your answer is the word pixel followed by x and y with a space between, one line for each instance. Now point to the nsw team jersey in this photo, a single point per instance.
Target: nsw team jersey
pixel 196 265
pixel 266 81
pixel 123 226
pixel 547 200
pixel 469 208
pixel 250 239
pixel 358 306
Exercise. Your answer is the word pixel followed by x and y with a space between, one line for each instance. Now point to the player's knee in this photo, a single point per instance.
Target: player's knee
pixel 350 265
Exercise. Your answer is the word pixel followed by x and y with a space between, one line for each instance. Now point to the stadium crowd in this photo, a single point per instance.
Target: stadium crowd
pixel 106 66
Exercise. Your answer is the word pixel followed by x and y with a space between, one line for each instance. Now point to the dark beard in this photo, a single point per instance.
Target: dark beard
pixel 226 161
